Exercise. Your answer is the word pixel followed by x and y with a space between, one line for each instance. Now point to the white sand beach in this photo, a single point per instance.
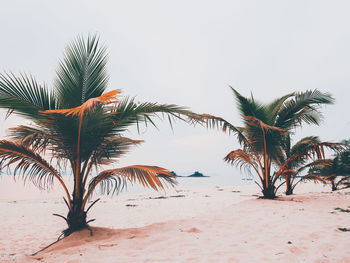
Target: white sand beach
pixel 197 224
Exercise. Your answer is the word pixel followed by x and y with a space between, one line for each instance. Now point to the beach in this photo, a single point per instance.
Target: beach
pixel 185 224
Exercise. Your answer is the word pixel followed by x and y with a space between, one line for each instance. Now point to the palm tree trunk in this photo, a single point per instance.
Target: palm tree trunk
pixel 289 190
pixel 269 191
pixel 76 218
pixel 334 187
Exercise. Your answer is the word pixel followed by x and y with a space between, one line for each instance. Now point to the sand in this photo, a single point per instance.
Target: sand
pixel 200 224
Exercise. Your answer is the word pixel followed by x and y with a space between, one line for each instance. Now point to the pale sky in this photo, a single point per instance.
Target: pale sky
pixel 187 53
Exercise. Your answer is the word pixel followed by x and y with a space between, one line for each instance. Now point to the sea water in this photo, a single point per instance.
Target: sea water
pixel 15 189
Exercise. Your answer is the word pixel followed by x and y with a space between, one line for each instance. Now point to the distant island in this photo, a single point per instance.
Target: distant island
pixel 195 174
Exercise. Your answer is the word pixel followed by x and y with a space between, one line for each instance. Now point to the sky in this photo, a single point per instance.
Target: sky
pixel 187 53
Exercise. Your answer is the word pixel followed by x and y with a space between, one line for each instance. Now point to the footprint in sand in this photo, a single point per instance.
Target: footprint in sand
pixel 106 245
pixel 191 230
pixel 296 250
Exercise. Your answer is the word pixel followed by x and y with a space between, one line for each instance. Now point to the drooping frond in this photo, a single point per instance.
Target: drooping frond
pixel 82 73
pixel 128 112
pixel 309 148
pixel 316 163
pixel 243 159
pixel 113 180
pixel 111 149
pixel 214 121
pixel 314 177
pixel 30 164
pixel 24 96
pixel 36 138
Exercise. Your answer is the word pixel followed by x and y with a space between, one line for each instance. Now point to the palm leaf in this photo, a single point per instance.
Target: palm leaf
pixel 24 96
pixel 82 73
pixel 304 108
pixel 36 138
pixel 243 159
pixel 127 113
pixel 111 149
pixel 30 164
pixel 214 121
pixel 113 180
pixel 274 107
pixel 250 107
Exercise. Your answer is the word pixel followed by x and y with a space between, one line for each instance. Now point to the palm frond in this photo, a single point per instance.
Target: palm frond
pixel 113 180
pixel 35 137
pixel 111 149
pixel 128 113
pixel 273 108
pixel 90 104
pixel 30 164
pixel 315 163
pixel 82 73
pixel 304 108
pixel 243 159
pixel 24 96
pixel 253 121
pixel 218 122
pixel 314 177
pixel 250 107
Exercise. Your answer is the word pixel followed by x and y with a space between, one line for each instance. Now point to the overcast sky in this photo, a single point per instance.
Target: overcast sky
pixel 187 53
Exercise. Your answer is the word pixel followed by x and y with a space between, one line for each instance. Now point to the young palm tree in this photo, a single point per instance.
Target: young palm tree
pixel 295 159
pixel 265 129
pixel 79 127
pixel 336 170
pixel 324 173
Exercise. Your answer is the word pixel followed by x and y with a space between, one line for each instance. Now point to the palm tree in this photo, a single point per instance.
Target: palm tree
pixel 336 170
pixel 295 159
pixel 265 129
pixel 77 127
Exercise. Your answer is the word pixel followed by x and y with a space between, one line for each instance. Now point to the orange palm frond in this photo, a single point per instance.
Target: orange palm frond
pixel 314 177
pixel 250 120
pixel 242 159
pixel 107 98
pixel 30 164
pixel 114 179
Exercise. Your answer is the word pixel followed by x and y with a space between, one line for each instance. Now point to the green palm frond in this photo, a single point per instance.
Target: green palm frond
pixel 250 107
pixel 220 123
pixel 127 112
pixel 303 108
pixel 82 73
pixel 274 107
pixel 315 164
pixel 24 96
pixel 111 149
